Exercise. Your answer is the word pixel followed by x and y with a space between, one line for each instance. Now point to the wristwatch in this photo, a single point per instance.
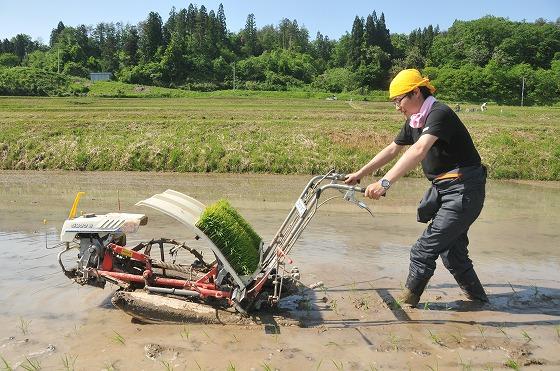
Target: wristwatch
pixel 385 183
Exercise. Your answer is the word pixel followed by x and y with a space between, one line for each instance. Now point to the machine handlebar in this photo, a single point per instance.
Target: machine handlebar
pixel 342 177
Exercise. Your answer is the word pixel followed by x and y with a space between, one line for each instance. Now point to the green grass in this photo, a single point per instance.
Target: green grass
pixel 232 235
pixel 263 132
pixel 114 89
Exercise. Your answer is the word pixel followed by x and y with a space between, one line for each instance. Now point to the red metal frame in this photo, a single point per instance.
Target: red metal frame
pixel 205 286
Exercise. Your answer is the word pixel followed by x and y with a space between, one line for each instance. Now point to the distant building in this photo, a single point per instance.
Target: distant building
pixel 100 76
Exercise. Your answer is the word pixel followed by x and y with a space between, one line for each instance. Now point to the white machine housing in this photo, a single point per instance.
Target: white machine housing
pixel 112 223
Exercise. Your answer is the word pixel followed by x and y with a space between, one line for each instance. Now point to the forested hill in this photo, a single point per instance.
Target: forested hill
pixel 486 59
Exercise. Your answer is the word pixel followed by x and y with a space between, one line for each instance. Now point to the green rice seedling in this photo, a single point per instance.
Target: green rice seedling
pixel 459 337
pixel 528 338
pixel 436 339
pixel 332 343
pixel 185 333
pixel 31 365
pixel 394 341
pixel 167 366
pixel 266 367
pixel 489 368
pixel 501 329
pixel 557 331
pixel 361 302
pixel 255 238
pixel 23 325
pixel 208 336
pixel 232 235
pixel 339 366
pixel 112 366
pixel 117 338
pixel 435 368
pixel 395 305
pixel 427 305
pixel 235 338
pixel 512 363
pixel 231 367
pixel 460 333
pixel 69 362
pixel 319 365
pixel 464 366
pixel 372 367
pixel 5 365
pixel 334 305
pixel 482 330
pixel 512 289
pixel 306 305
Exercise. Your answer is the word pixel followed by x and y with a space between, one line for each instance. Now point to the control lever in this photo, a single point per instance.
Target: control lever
pixel 350 196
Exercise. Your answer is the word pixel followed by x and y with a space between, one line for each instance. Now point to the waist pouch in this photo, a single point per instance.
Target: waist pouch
pixel 428 206
pixel 471 177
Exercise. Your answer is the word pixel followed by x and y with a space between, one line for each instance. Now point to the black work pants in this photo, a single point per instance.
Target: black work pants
pixel 455 205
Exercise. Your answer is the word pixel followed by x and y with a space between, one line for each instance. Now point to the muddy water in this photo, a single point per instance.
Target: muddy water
pixel 353 321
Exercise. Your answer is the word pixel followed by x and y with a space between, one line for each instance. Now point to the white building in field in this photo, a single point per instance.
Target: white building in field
pixel 100 76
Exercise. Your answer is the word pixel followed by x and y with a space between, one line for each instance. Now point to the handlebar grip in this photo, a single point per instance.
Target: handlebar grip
pixel 343 177
pixel 363 190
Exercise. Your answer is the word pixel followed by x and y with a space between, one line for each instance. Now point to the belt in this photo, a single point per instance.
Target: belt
pixel 448 176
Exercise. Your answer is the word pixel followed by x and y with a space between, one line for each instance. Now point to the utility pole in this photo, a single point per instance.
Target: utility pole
pixel 522 90
pixel 233 75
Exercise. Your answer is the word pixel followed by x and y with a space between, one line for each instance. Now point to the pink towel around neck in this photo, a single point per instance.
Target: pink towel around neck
pixel 419 119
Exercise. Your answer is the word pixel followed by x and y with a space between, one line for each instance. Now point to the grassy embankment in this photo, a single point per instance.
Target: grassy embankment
pixel 114 89
pixel 259 133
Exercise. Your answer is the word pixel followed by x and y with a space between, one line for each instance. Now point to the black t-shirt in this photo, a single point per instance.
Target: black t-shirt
pixel 454 147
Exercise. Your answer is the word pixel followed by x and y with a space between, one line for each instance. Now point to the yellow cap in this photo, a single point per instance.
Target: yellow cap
pixel 406 81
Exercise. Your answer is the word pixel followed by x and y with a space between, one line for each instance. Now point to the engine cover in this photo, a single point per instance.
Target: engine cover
pixel 114 223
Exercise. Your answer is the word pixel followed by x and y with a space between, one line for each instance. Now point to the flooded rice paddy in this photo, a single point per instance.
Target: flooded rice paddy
pixel 351 322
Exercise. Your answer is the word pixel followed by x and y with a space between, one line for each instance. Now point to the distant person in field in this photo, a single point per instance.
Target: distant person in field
pixel 441 143
pixel 483 107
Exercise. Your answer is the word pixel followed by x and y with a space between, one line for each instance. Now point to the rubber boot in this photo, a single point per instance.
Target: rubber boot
pixel 471 286
pixel 413 290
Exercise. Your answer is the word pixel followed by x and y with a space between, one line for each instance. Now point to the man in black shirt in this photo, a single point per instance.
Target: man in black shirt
pixel 439 140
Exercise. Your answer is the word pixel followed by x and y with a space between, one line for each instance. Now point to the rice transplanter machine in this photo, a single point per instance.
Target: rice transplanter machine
pixel 104 257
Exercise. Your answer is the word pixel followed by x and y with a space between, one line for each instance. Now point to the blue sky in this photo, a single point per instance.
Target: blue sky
pixel 332 18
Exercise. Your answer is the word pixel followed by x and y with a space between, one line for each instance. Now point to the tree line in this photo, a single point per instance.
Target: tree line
pixel 485 59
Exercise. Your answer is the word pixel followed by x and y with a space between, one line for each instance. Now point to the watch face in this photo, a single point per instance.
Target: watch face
pixel 385 183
